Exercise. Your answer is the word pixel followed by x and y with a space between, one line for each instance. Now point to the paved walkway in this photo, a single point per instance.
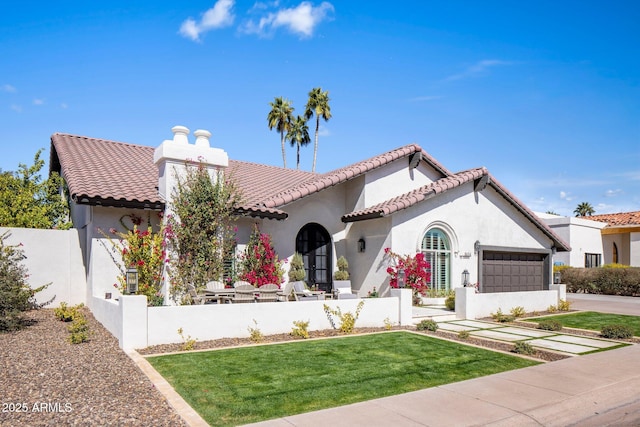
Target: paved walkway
pixel 600 389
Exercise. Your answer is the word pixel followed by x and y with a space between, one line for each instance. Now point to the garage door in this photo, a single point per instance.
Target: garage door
pixel 512 271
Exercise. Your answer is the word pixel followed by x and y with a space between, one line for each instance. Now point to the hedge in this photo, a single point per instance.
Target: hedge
pixel 602 280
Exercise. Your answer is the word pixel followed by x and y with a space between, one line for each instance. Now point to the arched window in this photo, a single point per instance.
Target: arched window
pixel 615 253
pixel 437 251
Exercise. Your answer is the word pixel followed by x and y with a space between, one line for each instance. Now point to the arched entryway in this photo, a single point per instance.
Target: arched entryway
pixel 314 243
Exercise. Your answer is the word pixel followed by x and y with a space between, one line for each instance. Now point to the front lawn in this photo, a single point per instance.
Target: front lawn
pixel 594 321
pixel 250 384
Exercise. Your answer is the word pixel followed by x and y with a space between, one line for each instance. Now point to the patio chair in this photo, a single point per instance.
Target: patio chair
pixel 342 290
pixel 241 283
pixel 243 293
pixel 285 293
pixel 200 299
pixel 301 293
pixel 214 284
pixel 268 293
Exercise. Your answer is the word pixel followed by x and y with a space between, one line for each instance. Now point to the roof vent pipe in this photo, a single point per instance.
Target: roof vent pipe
pixel 202 138
pixel 180 135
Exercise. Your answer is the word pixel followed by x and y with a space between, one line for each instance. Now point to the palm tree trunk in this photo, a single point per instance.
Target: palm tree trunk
pixel 298 157
pixel 315 144
pixel 284 156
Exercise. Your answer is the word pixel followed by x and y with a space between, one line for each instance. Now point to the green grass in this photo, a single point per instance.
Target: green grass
pixel 594 321
pixel 244 385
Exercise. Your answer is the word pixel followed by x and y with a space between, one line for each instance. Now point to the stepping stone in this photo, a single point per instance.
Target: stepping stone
pixel 584 341
pixel 475 324
pixel 497 335
pixel 560 346
pixel 454 327
pixel 535 333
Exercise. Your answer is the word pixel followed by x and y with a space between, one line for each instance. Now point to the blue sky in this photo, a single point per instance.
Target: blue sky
pixel 545 94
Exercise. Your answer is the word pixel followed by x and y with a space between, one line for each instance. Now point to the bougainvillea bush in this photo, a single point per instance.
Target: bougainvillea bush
pixel 144 250
pixel 417 272
pixel 260 264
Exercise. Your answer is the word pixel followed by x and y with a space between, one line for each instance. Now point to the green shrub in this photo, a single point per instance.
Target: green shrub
pixel 347 320
pixel 300 329
pixel 464 335
pixel 564 305
pixel 16 297
pixel 255 334
pixel 427 325
pixel 342 273
pixel 78 329
pixel 499 316
pixel 550 325
pixel 450 301
pixel 296 269
pixel 611 279
pixel 518 312
pixel 188 343
pixel 616 331
pixel 552 308
pixel 66 313
pixel 522 347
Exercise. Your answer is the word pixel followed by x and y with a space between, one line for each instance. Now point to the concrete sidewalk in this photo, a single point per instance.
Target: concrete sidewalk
pixel 601 389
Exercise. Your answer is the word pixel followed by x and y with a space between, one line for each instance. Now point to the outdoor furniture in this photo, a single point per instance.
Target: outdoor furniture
pixel 241 283
pixel 342 290
pixel 267 293
pixel 242 294
pixel 199 298
pixel 284 293
pixel 301 293
pixel 214 284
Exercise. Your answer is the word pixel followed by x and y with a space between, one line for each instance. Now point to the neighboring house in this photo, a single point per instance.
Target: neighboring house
pixel 620 237
pixel 584 236
pixel 402 199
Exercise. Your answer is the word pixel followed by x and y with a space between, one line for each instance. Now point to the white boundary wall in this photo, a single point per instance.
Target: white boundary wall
pixel 470 305
pixel 53 256
pixel 138 326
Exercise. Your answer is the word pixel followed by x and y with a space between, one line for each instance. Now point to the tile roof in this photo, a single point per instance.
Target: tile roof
pixel 108 173
pixel 617 219
pixel 111 173
pixel 416 196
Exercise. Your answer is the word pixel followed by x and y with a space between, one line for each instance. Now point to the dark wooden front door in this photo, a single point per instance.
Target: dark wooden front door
pixel 314 243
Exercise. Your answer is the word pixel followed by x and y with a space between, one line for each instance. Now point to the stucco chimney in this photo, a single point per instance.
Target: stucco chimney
pixel 202 138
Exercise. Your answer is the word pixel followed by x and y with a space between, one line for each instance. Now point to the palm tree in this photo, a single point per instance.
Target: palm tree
pixel 317 104
pixel 280 117
pixel 584 209
pixel 298 135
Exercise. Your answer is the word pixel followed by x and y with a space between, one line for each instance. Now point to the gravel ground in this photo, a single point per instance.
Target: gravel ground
pixel 46 381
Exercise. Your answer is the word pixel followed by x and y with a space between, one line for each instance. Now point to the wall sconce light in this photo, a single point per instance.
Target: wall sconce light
pixel 465 278
pixel 401 277
pixel 476 246
pixel 132 280
pixel 362 245
pixel 557 277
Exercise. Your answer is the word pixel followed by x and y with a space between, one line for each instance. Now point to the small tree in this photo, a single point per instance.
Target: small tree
pixel 417 272
pixel 27 201
pixel 201 236
pixel 260 264
pixel 16 296
pixel 296 269
pixel 342 273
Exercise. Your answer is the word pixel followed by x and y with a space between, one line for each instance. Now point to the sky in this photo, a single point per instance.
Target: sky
pixel 545 94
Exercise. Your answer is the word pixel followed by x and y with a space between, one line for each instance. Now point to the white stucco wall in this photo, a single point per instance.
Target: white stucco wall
pixel 584 236
pixel 53 256
pixel 394 179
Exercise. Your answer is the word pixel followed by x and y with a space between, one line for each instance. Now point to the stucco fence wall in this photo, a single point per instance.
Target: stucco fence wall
pixel 138 326
pixel 53 256
pixel 470 305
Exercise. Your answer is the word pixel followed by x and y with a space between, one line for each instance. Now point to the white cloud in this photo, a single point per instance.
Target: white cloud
pixel 219 16
pixel 38 101
pixel 566 196
pixel 8 88
pixel 301 20
pixel 478 68
pixel 612 193
pixel 17 108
